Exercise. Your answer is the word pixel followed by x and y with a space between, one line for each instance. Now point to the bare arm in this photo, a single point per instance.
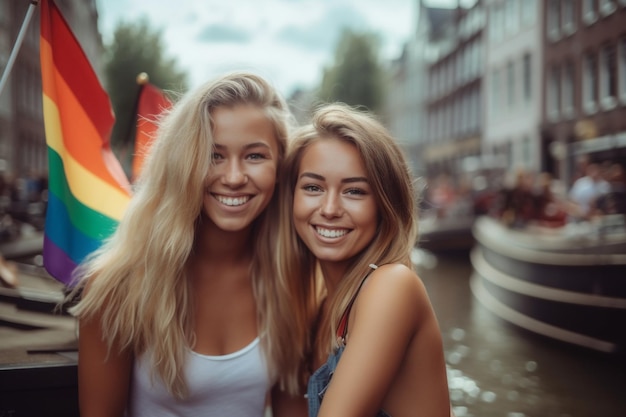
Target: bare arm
pixel 103 382
pixel 392 329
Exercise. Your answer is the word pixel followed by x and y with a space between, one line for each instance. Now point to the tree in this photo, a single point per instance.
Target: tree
pixel 356 76
pixel 136 48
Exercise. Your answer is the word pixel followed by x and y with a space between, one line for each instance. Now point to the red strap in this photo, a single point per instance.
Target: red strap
pixel 343 324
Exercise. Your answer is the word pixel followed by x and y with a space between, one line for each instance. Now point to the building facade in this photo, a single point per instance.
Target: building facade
pixel 407 97
pixel 584 112
pixel 513 79
pixel 532 84
pixel 454 109
pixel 23 149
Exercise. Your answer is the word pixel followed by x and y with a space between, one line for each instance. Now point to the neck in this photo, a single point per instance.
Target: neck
pixel 333 273
pixel 216 245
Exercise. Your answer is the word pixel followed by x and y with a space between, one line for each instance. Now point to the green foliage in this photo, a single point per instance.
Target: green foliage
pixel 136 48
pixel 356 76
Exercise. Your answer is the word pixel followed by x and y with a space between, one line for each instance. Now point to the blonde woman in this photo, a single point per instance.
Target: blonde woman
pixel 350 215
pixel 181 311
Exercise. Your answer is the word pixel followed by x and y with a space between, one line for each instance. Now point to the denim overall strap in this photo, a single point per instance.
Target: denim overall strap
pixel 319 381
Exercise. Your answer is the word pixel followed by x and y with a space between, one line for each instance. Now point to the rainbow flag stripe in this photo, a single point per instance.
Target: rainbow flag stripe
pixel 88 190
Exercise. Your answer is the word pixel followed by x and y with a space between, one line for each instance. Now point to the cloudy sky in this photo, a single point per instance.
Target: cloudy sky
pixel 287 41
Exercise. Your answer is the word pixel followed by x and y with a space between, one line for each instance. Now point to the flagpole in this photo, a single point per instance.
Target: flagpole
pixel 142 79
pixel 18 44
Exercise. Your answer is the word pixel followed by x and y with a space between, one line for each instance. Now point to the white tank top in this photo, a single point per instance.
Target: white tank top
pixel 231 385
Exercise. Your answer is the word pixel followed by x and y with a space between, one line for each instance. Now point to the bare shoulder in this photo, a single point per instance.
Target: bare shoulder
pixel 394 278
pixel 397 284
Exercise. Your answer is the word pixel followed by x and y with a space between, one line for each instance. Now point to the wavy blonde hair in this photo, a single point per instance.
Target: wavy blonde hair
pixel 392 183
pixel 137 279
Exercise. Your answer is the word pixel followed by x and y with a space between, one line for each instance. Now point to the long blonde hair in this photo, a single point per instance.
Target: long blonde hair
pixel 392 185
pixel 137 280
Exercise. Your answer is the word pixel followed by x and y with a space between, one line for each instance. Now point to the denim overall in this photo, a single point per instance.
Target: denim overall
pixel 318 382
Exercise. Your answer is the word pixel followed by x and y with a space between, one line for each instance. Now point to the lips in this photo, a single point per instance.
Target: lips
pixel 331 233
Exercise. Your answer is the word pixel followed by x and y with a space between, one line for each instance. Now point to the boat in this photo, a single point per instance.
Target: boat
pixel 567 283
pixel 447 211
pixel 28 244
pixel 449 234
pixel 38 346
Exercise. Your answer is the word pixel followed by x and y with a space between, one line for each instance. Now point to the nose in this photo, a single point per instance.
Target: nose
pixel 233 174
pixel 331 206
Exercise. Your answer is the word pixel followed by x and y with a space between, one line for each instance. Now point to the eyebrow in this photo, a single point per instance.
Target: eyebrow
pixel 248 146
pixel 343 181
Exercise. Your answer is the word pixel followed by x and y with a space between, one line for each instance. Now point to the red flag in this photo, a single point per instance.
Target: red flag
pixel 152 101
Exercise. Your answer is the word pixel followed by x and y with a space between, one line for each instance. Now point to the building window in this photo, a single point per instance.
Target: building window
pixel 553 20
pixel 450 83
pixel 511 8
pixel 569 24
pixel 510 84
pixel 589 11
pixel 607 7
pixel 432 125
pixel 478 58
pixel 529 12
pixel 4 12
pixel 497 22
pixel 608 77
pixel 438 124
pixel 590 79
pixel 5 47
pixel 447 117
pixel 477 115
pixel 435 125
pixel 457 66
pixel 527 77
pixel 455 117
pixel 552 105
pixel 466 113
pixel 621 67
pixel 567 90
pixel 495 92
pixel 527 155
pixel 441 78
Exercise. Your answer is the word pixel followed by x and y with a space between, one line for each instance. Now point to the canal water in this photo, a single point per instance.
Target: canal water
pixel 496 369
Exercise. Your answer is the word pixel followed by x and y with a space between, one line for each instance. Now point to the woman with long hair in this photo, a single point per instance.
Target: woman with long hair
pixel 181 311
pixel 348 227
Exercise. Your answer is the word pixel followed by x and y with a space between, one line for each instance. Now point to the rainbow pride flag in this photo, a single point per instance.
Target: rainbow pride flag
pixel 87 188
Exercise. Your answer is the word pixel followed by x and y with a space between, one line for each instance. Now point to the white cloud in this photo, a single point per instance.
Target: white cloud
pixel 288 41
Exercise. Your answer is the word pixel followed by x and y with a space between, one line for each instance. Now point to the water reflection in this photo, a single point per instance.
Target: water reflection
pixel 497 369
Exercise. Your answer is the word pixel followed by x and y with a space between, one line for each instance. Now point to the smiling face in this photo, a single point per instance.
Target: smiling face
pixel 334 209
pixel 242 179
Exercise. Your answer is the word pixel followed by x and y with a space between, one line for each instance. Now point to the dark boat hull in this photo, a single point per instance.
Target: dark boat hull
pixel 40 389
pixel 38 349
pixel 447 234
pixel 570 289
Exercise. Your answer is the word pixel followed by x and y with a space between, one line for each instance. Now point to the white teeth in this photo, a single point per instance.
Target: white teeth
pixel 230 201
pixel 331 233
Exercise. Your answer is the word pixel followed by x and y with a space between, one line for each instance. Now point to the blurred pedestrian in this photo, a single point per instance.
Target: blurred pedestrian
pixel 586 190
pixel 614 201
